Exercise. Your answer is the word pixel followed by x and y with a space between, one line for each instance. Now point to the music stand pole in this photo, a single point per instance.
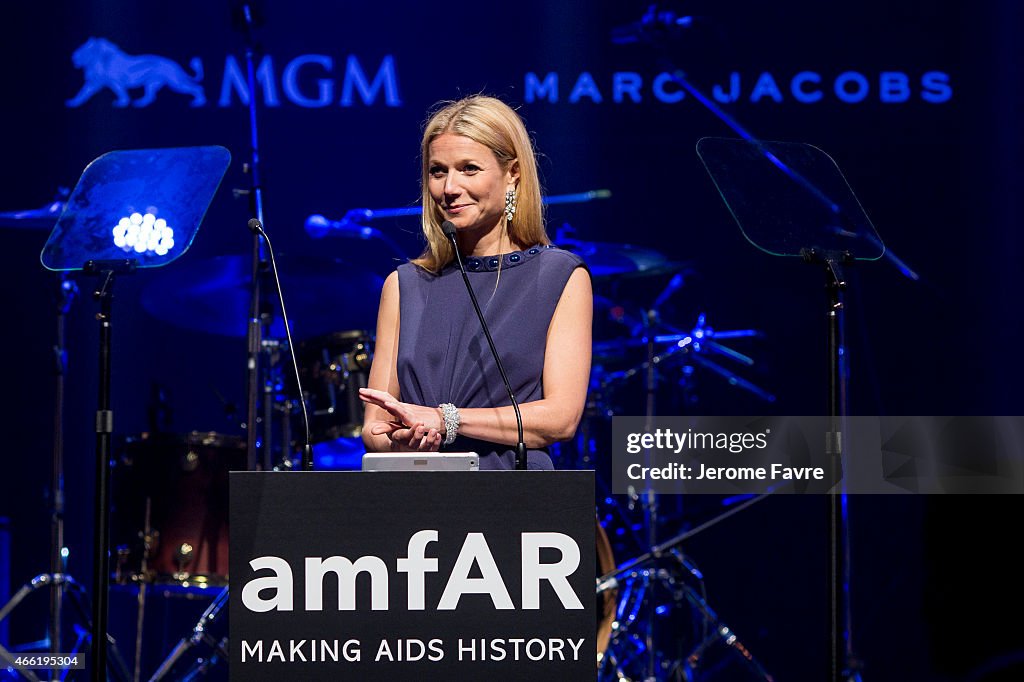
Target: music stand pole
pixel 845 664
pixel 106 271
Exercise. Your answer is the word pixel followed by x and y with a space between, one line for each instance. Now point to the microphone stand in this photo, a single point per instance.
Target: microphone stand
pixel 307 448
pixel 258 328
pixel 449 231
pixel 67 291
pixel 58 580
pixel 106 271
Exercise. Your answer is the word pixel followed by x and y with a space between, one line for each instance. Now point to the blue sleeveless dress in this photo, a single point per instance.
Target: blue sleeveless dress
pixel 442 351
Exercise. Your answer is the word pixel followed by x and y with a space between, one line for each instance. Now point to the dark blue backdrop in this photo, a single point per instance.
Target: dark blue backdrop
pixel 925 124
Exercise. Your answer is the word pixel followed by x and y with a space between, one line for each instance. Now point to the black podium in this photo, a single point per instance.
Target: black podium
pixel 412 576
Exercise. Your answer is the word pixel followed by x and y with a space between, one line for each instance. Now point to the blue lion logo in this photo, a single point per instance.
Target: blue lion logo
pixel 105 65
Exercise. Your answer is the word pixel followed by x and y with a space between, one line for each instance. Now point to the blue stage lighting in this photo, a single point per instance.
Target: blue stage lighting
pixel 341 454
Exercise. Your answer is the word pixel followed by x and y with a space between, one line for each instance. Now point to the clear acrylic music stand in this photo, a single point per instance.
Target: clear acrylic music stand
pixel 131 209
pixel 791 199
pixel 788 197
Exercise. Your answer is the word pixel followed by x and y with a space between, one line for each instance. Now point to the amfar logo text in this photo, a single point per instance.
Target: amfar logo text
pixel 416 565
pixel 106 66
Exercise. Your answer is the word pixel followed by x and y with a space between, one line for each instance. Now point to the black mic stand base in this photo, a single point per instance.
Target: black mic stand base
pixel 520 456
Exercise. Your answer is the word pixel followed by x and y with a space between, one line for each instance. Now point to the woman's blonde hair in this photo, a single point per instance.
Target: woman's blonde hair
pixel 495 125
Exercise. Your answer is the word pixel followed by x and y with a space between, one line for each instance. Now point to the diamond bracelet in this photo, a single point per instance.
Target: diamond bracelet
pixel 451 422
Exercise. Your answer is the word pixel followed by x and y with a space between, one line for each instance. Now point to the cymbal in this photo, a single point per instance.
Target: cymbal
pixel 607 259
pixel 212 295
pixel 43 218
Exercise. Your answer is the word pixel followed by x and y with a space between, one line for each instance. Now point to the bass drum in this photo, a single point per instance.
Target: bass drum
pixel 170 507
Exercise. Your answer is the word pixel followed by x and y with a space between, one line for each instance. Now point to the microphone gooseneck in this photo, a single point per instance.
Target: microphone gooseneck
pixel 307 449
pixel 449 231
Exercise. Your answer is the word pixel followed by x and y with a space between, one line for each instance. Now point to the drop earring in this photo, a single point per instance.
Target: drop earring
pixel 510 204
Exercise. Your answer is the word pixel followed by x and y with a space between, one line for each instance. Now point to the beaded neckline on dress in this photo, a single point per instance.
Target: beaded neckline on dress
pixel 507 260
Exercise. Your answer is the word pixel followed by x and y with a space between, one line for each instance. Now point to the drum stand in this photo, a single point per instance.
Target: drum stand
pixel 636 580
pixel 200 634
pixel 56 580
pixel 639 579
pixel 58 583
pixel 650 500
pixel 638 593
pixel 70 587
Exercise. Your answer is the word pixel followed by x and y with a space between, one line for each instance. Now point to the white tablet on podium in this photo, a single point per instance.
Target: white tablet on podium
pixel 421 461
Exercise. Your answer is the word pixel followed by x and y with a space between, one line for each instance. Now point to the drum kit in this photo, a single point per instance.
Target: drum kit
pixel 169 523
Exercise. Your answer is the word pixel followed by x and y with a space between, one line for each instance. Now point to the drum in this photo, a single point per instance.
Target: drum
pixel 170 507
pixel 333 368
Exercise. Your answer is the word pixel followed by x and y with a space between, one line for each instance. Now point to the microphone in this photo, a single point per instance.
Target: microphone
pixel 654 25
pixel 449 231
pixel 256 227
pixel 318 227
